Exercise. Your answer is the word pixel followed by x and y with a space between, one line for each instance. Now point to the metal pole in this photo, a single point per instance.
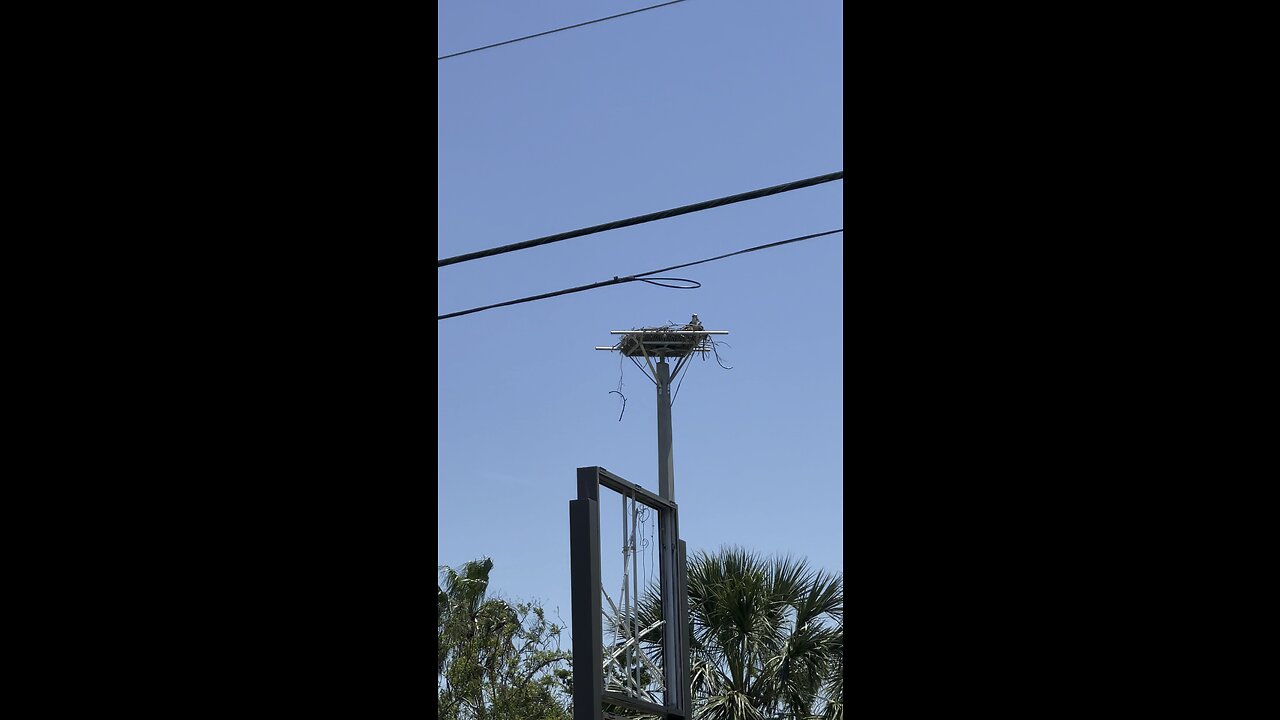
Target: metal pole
pixel 669 534
pixel 584 558
pixel 624 622
pixel 666 463
pixel 668 566
pixel 635 597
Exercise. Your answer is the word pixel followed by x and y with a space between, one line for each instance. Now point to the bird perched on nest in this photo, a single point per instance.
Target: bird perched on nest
pixel 693 324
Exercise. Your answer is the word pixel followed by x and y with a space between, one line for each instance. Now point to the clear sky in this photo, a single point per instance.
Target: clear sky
pixel 694 101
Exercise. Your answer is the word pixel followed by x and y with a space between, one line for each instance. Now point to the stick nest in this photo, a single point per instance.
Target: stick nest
pixel 662 342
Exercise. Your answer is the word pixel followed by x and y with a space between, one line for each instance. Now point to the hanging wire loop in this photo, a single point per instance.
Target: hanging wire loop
pixel 693 284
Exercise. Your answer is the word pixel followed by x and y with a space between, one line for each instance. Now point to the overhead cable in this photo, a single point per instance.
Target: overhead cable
pixel 548 32
pixel 637 277
pixel 639 219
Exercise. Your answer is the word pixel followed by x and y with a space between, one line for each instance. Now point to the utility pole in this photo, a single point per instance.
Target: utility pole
pixel 658 344
pixel 667 531
pixel 666 462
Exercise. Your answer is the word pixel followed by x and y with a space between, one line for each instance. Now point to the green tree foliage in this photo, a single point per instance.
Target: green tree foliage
pixel 496 660
pixel 766 635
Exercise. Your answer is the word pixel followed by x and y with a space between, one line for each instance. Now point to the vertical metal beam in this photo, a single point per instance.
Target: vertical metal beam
pixel 673 656
pixel 584 560
pixel 635 594
pixel 668 532
pixel 682 636
pixel 589 483
pixel 666 463
pixel 624 622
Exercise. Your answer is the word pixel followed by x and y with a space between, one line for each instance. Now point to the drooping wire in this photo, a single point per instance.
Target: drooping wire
pixel 619 391
pixel 624 404
pixel 650 217
pixel 644 545
pixel 686 372
pixel 717 353
pixel 548 32
pixel 630 278
pixel 653 281
pixel 653 529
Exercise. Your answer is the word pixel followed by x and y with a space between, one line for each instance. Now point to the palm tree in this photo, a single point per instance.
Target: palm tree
pixel 459 603
pixel 766 636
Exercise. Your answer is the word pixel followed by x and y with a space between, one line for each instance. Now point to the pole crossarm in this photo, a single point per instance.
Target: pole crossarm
pixel 657 338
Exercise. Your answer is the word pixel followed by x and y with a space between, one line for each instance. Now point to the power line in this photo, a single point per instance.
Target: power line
pixel 639 219
pixel 548 32
pixel 637 277
pixel 739 252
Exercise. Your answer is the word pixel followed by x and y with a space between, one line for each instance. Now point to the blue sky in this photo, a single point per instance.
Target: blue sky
pixel 694 101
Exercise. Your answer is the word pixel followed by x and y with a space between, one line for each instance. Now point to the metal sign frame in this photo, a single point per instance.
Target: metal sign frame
pixel 589 692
